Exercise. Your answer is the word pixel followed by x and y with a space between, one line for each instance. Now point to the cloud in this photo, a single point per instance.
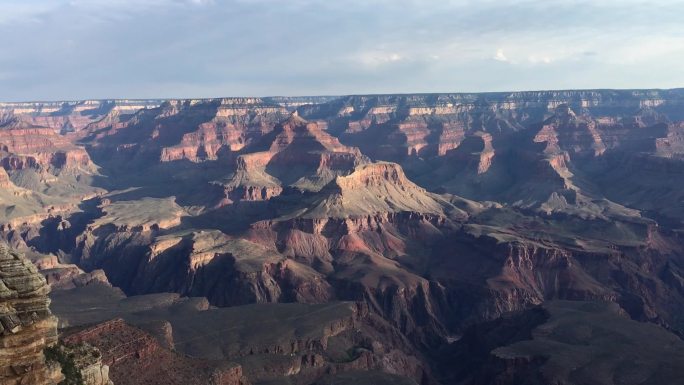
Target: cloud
pixel 69 49
pixel 201 2
pixel 376 58
pixel 500 56
pixel 540 59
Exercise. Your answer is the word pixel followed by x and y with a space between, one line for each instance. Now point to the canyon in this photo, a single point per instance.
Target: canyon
pixel 418 238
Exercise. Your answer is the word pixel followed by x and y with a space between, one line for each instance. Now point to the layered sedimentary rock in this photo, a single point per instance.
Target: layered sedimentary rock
pixel 70 276
pixel 81 363
pixel 592 120
pixel 124 229
pixel 205 143
pixel 311 340
pixel 43 173
pixel 565 130
pixel 71 115
pixel 300 154
pixel 250 181
pixel 139 215
pixel 297 342
pixel 475 153
pixel 672 146
pixel 132 356
pixel 228 271
pixel 371 189
pixel 235 124
pixel 26 324
pixel 434 212
pixel 194 130
pixel 27 147
pixel 356 229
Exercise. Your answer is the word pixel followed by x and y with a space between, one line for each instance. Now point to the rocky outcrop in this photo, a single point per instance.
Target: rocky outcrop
pixel 566 131
pixel 237 122
pixel 43 173
pixel 228 272
pixel 26 324
pixel 191 130
pixel 359 341
pixel 672 146
pixel 225 270
pixel 143 215
pixel 63 277
pixel 251 182
pixel 30 147
pixel 301 154
pixel 475 153
pixel 297 342
pixel 371 189
pixel 127 349
pixel 81 363
pixel 5 181
pixel 206 143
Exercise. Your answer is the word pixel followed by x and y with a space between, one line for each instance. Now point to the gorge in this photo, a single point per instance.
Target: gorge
pixel 416 238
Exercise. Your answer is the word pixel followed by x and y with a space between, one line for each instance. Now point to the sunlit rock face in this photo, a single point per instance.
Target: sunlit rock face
pixel 39 147
pixel 5 181
pixel 26 324
pixel 300 154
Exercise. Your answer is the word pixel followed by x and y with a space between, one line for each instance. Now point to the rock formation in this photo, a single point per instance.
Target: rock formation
pixel 527 347
pixel 301 154
pixel 81 363
pixel 5 181
pixel 264 342
pixel 29 146
pixel 371 189
pixel 434 213
pixel 26 324
pixel 42 172
pixel 71 116
pixel 128 350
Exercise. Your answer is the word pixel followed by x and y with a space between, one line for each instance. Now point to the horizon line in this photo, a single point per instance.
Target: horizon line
pixel 680 88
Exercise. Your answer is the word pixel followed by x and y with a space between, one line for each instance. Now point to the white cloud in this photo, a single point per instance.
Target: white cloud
pixel 375 58
pixel 540 59
pixel 500 56
pixel 132 48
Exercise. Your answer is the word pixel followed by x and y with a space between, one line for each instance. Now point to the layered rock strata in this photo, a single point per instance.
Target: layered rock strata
pixel 27 326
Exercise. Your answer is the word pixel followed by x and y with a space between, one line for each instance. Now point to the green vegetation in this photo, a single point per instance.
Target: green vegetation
pixel 67 360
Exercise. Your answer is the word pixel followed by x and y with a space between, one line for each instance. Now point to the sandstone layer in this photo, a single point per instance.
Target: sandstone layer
pixel 26 324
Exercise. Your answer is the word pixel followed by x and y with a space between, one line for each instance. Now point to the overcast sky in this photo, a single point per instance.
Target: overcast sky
pixel 77 49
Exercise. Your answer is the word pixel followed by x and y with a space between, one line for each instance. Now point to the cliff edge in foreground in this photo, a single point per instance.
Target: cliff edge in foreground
pixel 26 324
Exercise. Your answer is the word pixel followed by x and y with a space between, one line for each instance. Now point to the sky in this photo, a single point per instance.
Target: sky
pixel 86 49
